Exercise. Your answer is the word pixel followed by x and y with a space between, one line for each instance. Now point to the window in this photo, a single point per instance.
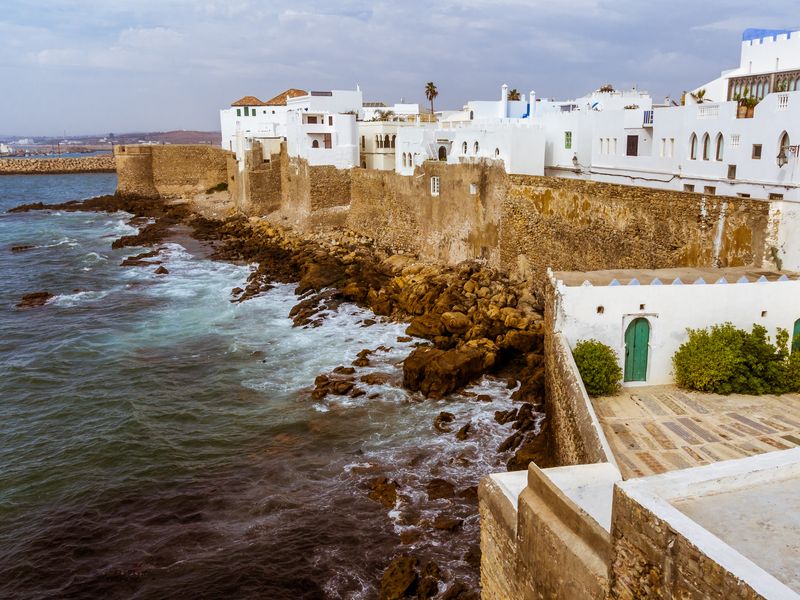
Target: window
pixel 471 115
pixel 568 140
pixel 330 120
pixel 238 112
pixel 671 147
pixel 434 186
pixel 710 190
pixel 476 147
pixel 743 195
pixel 720 147
pixel 776 196
pixel 394 137
pixel 783 145
pixel 688 187
pixel 312 120
pixel 757 151
pixel 735 141
pixel 602 146
pixel 246 111
pixel 663 151
pixel 614 147
pixel 315 144
pixel 473 188
pixel 442 153
pixel 464 148
pixel 386 142
pixel 404 159
pixel 497 152
pixel 633 145
pixel 706 147
pixel 731 171
pixel 693 147
pixel 363 142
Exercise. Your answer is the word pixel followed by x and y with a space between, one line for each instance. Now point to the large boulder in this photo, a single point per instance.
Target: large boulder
pixel 456 322
pixel 400 578
pixel 437 373
pixel 427 326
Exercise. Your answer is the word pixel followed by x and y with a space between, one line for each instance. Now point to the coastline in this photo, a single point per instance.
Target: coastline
pixel 498 332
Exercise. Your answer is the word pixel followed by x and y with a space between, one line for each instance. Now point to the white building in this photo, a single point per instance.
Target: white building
pixel 321 127
pixel 403 111
pixel 643 315
pixel 5 149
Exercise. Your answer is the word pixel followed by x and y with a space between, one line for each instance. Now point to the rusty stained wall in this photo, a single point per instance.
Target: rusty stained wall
pixel 579 225
pixel 401 213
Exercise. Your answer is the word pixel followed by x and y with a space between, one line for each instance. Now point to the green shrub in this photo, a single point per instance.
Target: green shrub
pixel 220 187
pixel 598 366
pixel 728 360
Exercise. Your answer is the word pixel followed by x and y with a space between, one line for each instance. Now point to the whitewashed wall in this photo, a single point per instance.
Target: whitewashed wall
pixel 671 309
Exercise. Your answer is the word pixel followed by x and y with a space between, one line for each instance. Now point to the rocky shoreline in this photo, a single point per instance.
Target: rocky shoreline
pixel 472 321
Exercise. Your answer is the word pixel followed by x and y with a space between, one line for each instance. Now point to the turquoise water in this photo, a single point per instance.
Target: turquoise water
pixel 158 441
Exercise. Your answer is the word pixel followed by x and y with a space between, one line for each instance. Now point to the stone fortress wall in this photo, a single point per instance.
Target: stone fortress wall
pixel 78 164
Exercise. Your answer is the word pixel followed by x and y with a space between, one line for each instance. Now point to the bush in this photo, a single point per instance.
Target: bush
pixel 598 366
pixel 220 187
pixel 727 360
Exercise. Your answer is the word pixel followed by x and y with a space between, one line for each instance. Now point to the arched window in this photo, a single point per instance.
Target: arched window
pixel 496 152
pixel 404 159
pixel 363 164
pixel 394 137
pixel 464 148
pixel 784 142
pixel 442 153
pixel 706 147
pixel 386 142
pixel 315 144
pixel 720 147
pixel 476 147
pixel 377 141
pixel 693 147
pixel 471 115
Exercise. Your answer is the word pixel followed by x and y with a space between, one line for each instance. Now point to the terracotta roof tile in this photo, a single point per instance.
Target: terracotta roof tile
pixel 280 99
pixel 248 101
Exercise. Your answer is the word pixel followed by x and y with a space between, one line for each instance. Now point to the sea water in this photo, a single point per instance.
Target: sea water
pixel 159 441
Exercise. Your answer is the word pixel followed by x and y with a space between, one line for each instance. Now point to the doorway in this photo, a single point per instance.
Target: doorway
pixel 637 348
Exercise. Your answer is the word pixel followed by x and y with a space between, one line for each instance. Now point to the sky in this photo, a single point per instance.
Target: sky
pixel 101 66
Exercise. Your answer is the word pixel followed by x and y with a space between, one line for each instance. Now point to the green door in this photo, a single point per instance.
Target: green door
pixel 796 336
pixel 637 340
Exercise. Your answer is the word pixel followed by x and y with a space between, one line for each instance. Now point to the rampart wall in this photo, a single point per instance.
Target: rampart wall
pixel 169 171
pixel 45 166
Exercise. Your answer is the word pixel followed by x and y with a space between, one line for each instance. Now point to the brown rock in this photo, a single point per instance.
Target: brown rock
pixel 377 378
pixel 34 299
pixel 440 488
pixel 403 339
pixel 463 433
pixel 437 373
pixel 428 588
pixel 384 491
pixel 484 398
pixel 341 387
pixel 426 326
pixel 400 578
pixel 21 248
pixel 441 421
pixel 456 322
pixel 340 370
pixel 459 591
pixel 445 523
pixel 161 271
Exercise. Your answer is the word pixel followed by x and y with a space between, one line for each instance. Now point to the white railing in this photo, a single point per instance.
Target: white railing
pixel 708 112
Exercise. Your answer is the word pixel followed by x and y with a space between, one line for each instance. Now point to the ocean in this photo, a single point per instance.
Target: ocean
pixel 159 441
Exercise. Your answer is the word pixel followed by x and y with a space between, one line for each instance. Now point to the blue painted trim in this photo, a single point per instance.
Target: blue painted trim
pixel 753 33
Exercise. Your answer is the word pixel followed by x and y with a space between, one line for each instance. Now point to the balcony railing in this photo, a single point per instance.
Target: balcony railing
pixel 708 112
pixel 647 118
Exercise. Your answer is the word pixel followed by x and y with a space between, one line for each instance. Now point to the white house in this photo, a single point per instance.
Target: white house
pixel 321 127
pixel 403 111
pixel 643 315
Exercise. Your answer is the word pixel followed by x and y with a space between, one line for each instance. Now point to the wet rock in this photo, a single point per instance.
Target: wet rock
pixel 34 299
pixel 409 537
pixel 404 339
pixel 505 416
pixel 469 494
pixel 463 433
pixel 460 591
pixel 373 396
pixel 400 578
pixel 139 259
pixel 484 398
pixel 368 322
pixel 456 322
pixel 473 556
pixel 384 491
pixel 362 359
pixel 437 373
pixel 21 248
pixel 236 291
pixel 426 326
pixel 161 271
pixel 341 387
pixel 445 523
pixel 440 488
pixel 428 586
pixel 511 442
pixel 377 378
pixel 341 370
pixel 441 421
pixel 534 449
pixel 357 393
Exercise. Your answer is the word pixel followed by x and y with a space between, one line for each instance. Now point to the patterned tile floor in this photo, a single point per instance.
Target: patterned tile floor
pixel 661 428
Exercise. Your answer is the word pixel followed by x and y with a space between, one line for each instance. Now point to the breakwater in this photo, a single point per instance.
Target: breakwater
pixel 51 166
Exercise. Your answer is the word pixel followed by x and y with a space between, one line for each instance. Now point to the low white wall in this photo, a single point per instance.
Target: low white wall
pixel 670 310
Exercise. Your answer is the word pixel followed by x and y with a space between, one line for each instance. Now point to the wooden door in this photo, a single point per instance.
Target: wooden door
pixel 637 348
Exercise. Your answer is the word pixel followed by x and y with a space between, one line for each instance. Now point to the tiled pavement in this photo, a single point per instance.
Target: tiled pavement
pixel 656 429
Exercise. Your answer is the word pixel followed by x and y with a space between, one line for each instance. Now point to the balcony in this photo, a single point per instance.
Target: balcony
pixel 647 118
pixel 708 112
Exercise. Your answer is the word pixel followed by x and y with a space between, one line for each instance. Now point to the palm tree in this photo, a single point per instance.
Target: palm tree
pixel 431 92
pixel 513 94
pixel 699 96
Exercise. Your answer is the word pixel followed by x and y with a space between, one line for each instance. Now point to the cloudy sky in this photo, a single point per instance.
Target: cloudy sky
pixel 98 66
